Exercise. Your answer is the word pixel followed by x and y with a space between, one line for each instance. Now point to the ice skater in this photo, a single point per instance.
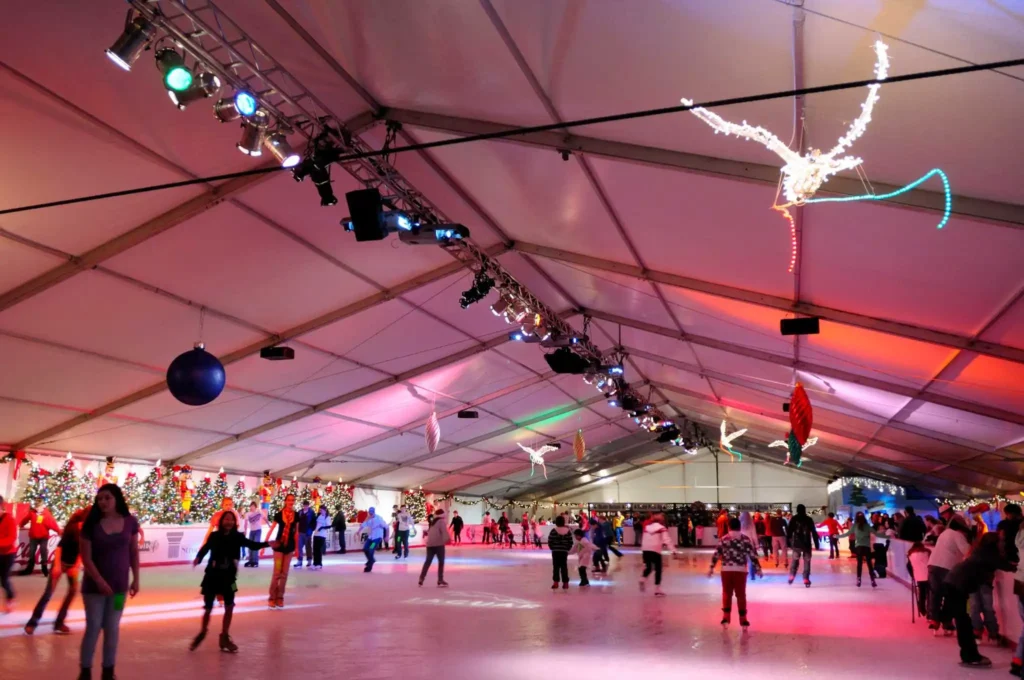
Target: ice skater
pixel 287 525
pixel 436 539
pixel 225 549
pixel 320 535
pixel 376 531
pixel 560 543
pixel 655 538
pixel 861 533
pixel 801 534
pixel 66 563
pixel 8 551
pixel 585 551
pixel 736 550
pixel 456 526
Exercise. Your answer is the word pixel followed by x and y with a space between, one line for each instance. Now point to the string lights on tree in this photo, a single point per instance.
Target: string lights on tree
pixel 804 174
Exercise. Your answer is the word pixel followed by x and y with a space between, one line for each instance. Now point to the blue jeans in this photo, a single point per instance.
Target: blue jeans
pixel 100 615
pixel 981 603
pixel 369 547
pixel 254 555
pixel 618 535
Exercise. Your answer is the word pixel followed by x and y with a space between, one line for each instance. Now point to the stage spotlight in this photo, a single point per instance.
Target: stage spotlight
pixel 131 43
pixel 245 103
pixel 499 307
pixel 564 360
pixel 171 64
pixel 613 403
pixel 278 146
pixel 204 86
pixel 251 143
pixel 482 285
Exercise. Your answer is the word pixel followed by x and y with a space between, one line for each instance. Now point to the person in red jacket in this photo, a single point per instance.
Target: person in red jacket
pixel 833 535
pixel 40 523
pixel 8 548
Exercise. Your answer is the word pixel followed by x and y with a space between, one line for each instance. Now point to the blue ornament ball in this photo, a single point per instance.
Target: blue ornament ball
pixel 196 377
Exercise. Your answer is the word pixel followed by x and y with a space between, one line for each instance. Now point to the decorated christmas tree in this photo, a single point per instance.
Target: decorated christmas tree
pixel 301 493
pixel 167 507
pixel 204 502
pixel 416 501
pixel 857 497
pixel 241 496
pixel 220 488
pixel 66 494
pixel 86 491
pixel 146 502
pixel 339 499
pixel 37 487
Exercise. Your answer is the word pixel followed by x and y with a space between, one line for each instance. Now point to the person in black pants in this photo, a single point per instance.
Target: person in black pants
pixel 307 522
pixel 65 563
pixel 638 529
pixel 338 525
pixel 320 534
pixel 487 527
pixel 456 526
pixel 963 579
pixel 560 542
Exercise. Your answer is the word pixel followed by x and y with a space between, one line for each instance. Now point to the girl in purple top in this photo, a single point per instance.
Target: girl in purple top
pixel 110 548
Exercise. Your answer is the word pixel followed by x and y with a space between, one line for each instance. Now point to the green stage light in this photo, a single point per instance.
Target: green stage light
pixel 171 63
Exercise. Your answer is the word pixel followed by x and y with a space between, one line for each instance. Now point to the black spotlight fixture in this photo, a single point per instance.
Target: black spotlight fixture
pixel 668 436
pixel 482 285
pixel 277 353
pixel 468 415
pixel 317 166
pixel 801 326
pixel 564 360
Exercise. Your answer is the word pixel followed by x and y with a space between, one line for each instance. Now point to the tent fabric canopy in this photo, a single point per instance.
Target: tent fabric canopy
pixel 657 230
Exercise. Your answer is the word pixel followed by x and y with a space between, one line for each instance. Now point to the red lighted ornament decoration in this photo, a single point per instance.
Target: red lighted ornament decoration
pixel 801 418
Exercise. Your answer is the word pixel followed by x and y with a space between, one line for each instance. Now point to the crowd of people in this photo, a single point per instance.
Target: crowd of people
pixel 952 558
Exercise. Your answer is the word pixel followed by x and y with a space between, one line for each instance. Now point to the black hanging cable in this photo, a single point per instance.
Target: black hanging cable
pixel 514 132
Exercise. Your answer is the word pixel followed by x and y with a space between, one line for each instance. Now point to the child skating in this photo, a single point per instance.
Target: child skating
pixel 584 549
pixel 735 550
pixel 560 543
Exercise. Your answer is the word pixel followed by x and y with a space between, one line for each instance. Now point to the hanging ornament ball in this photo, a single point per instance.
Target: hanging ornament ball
pixel 196 377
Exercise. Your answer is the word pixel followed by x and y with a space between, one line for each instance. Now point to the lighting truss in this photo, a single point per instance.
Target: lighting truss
pixel 214 40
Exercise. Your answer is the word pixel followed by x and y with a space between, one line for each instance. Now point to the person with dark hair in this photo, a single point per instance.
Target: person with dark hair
pixel 66 561
pixel 560 543
pixel 950 550
pixel 736 550
pixel 109 546
pixel 801 533
pixel 933 528
pixel 306 519
pixel 487 527
pixel 655 538
pixel 861 532
pixel 504 532
pixel 404 524
pixel 1018 589
pixel 585 553
pixel 912 529
pixel 1007 530
pixel 963 580
pixel 40 523
pixel 320 534
pixel 456 526
pixel 435 541
pixel 833 535
pixel 8 551
pixel 225 549
pixel 917 567
pixel 287 527
pixel 777 530
pixel 338 525
pixel 638 529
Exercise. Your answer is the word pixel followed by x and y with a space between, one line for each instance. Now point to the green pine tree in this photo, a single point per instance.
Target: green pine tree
pixel 416 501
pixel 220 489
pixel 340 500
pixel 857 497
pixel 37 487
pixel 146 501
pixel 167 508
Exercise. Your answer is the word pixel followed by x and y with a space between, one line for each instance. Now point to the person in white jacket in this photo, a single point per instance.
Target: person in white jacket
pixel 320 534
pixel 950 549
pixel 405 524
pixel 1018 589
pixel 436 539
pixel 584 549
pixel 654 538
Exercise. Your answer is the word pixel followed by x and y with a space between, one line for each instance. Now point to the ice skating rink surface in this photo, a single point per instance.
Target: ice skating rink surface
pixel 499 620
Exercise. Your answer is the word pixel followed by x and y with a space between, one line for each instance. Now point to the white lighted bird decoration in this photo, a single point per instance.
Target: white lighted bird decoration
pixel 537 457
pixel 811 441
pixel 725 443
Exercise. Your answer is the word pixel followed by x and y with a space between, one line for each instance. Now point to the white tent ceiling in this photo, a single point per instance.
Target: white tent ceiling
pixel 663 237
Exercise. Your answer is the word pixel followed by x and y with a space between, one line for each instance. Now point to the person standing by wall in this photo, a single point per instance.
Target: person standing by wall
pixel 65 560
pixel 456 526
pixel 560 543
pixel 306 520
pixel 503 530
pixel 736 551
pixel 487 527
pixel 284 545
pixel 917 567
pixel 320 534
pixel 1018 590
pixel 8 551
pixel 912 529
pixel 802 536
pixel 254 530
pixel 110 552
pixel 950 550
pixel 435 540
pixel 338 525
pixel 638 529
pixel 376 531
pixel 962 580
pixel 524 525
pixel 40 523
pixel 404 523
pixel 617 527
pixel 779 540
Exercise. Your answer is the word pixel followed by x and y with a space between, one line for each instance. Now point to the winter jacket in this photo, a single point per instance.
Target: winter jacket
pixel 375 528
pixel 584 550
pixel 913 529
pixel 801 533
pixel 950 550
pixel 598 536
pixel 456 523
pixel 861 535
pixel 777 527
pixel 832 525
pixel 1019 544
pixel 655 537
pixel 8 534
pixel 339 522
pixel 40 524
pixel 917 564
pixel 978 569
pixel 306 520
pixel 734 550
pixel 437 534
pixel 560 539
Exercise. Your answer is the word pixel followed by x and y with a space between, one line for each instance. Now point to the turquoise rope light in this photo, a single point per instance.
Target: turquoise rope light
pixel 892 194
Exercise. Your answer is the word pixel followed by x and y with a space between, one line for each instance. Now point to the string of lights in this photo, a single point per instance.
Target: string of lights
pixel 866 483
